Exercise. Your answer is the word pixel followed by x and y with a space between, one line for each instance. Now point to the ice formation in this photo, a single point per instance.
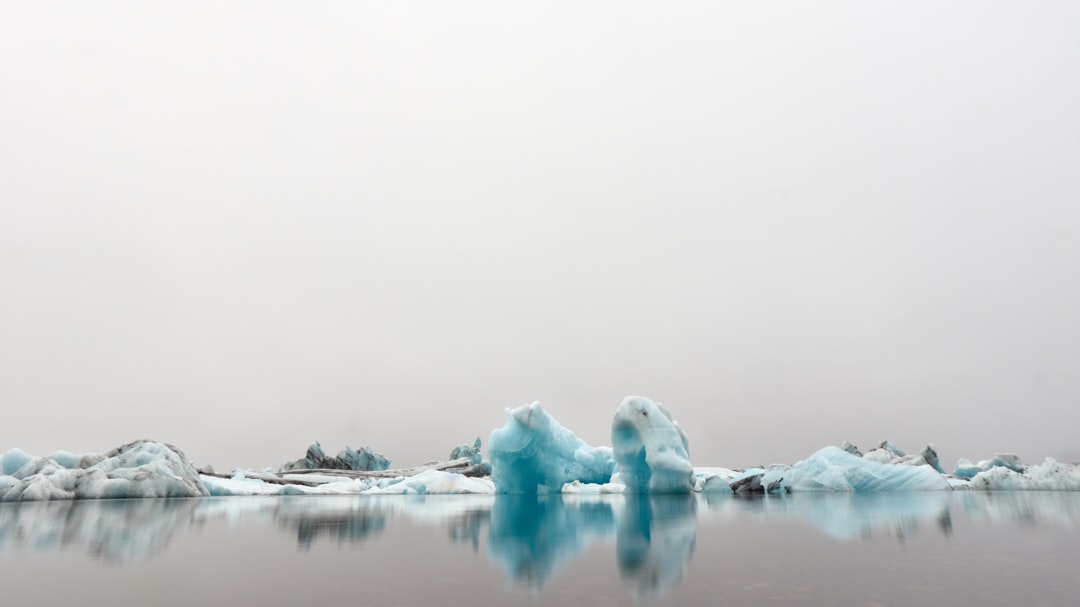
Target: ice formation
pixel 888 453
pixel 533 453
pixel 833 469
pixel 349 459
pixel 139 469
pixel 478 467
pixel 652 451
pixel 966 469
pixel 1050 475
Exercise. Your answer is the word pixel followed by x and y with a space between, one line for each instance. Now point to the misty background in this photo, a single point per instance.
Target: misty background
pixel 241 227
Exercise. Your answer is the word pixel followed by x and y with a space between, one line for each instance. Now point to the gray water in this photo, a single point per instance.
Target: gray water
pixel 961 548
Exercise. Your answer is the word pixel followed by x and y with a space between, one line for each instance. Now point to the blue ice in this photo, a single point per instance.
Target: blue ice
pixel 652 451
pixel 533 453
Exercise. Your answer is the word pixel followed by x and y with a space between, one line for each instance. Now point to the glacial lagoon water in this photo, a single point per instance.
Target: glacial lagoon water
pixel 931 548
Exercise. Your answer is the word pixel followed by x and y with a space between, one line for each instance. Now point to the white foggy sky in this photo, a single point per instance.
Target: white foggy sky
pixel 240 227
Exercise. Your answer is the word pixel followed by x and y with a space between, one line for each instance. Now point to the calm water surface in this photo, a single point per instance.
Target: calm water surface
pixel 886 549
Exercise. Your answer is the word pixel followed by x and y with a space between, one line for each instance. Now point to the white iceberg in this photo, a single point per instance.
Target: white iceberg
pixel 1050 475
pixel 833 469
pixel 966 469
pixel 533 453
pixel 139 469
pixel 888 453
pixel 651 450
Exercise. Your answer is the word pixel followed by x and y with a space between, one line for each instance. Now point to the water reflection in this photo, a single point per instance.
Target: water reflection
pixel 530 538
pixel 656 540
pixel 114 531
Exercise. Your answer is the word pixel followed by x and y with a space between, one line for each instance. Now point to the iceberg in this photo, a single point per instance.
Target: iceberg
pixel 363 460
pixel 834 469
pixel 966 469
pixel 533 453
pixel 436 482
pixel 1050 475
pixel 651 450
pixel 139 469
pixel 888 453
pixel 477 465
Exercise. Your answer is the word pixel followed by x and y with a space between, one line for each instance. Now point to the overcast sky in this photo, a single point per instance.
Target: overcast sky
pixel 239 227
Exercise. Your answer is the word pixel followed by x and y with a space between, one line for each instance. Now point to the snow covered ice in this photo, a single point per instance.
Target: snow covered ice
pixel 138 469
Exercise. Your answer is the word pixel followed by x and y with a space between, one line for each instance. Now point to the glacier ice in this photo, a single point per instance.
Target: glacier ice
pixel 888 453
pixel 833 469
pixel 363 460
pixel 966 469
pixel 435 482
pixel 1050 475
pixel 138 469
pixel 651 450
pixel 478 466
pixel 470 451
pixel 533 453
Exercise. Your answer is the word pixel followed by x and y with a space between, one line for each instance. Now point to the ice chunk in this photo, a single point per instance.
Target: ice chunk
pixel 888 453
pixel 580 488
pixel 1050 475
pixel 363 460
pixel 437 482
pixel 11 461
pixel 891 448
pixel 652 451
pixel 833 469
pixel 470 451
pixel 966 469
pixel 850 448
pixel 478 467
pixel 138 469
pixel 533 453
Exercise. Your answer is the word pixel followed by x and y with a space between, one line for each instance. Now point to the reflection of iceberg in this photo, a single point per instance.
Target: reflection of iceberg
pixel 349 523
pixel 851 515
pixel 656 540
pixel 1025 508
pixel 116 531
pixel 531 536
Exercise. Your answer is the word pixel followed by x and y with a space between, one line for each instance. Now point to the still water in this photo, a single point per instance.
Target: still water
pixel 962 548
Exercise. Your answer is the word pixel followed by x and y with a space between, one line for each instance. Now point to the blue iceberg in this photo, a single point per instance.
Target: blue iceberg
pixel 652 451
pixel 533 453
